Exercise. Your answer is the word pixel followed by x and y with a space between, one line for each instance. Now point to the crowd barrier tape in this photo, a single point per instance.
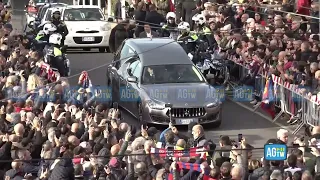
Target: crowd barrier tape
pixel 291 99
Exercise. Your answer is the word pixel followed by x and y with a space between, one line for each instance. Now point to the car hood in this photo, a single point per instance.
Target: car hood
pixel 192 94
pixel 85 25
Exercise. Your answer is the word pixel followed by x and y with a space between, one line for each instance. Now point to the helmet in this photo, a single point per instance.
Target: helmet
pixel 171 15
pixel 56 11
pixel 195 17
pixel 55 39
pixel 184 26
pixel 49 28
pixel 201 19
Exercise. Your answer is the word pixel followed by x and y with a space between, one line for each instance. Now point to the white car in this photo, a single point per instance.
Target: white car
pixel 87 26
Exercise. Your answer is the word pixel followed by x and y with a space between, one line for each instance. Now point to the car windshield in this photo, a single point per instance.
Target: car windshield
pixel 173 73
pixel 83 14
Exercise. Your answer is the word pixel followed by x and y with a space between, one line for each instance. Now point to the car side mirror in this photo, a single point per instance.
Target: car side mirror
pixel 110 19
pixel 132 79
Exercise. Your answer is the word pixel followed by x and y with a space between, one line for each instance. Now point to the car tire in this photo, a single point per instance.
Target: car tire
pixel 102 50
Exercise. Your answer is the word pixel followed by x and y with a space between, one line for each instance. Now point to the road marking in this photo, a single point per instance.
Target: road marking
pixel 261 115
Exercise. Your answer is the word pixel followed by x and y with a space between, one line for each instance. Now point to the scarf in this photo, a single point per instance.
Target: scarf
pixel 164 153
pixel 51 75
pixel 84 80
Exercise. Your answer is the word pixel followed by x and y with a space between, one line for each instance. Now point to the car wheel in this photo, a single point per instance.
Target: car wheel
pixel 102 50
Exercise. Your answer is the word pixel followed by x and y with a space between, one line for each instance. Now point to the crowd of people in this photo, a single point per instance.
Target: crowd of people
pixel 47 134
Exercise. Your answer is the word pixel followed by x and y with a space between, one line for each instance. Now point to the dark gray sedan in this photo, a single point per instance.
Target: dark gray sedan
pixel 155 81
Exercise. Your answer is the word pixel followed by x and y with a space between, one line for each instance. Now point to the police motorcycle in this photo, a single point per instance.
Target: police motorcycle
pixel 55 55
pixel 210 63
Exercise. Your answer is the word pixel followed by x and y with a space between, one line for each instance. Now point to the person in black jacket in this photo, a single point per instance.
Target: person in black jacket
pixel 154 18
pixel 140 16
pixel 118 34
pixel 187 7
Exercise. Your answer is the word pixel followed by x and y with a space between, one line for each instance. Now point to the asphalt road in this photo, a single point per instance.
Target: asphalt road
pixel 236 119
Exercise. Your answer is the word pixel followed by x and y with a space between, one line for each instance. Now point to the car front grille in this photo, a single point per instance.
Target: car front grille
pixel 87 31
pixel 187 112
pixel 78 40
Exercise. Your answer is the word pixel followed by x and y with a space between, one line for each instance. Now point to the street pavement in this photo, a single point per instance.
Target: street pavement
pixel 236 119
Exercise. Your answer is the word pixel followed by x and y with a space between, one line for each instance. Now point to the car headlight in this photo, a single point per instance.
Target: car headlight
pixel 154 105
pixel 212 105
pixel 106 27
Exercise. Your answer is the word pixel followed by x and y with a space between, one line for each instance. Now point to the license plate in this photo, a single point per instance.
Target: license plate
pixel 88 39
pixel 185 121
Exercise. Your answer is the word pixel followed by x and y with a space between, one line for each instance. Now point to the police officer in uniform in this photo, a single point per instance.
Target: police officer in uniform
pixel 54 55
pixel 170 29
pixel 186 39
pixel 42 38
pixel 61 26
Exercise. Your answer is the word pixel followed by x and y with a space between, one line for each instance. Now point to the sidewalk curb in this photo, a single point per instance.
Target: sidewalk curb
pixel 260 114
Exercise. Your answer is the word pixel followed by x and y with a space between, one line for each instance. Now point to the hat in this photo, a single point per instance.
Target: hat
pixel 114 162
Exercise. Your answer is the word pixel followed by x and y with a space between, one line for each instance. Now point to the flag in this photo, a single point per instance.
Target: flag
pixel 268 95
pixel 189 166
pixel 84 80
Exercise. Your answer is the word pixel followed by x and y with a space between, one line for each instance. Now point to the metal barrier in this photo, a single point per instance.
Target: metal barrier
pixel 289 98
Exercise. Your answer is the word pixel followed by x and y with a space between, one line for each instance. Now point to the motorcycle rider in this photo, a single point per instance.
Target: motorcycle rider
pixel 54 55
pixel 42 37
pixel 186 39
pixel 169 29
pixel 202 30
pixel 61 26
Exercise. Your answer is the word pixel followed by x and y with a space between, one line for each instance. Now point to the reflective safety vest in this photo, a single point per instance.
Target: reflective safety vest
pixel 39 36
pixel 206 30
pixel 57 52
pixel 194 37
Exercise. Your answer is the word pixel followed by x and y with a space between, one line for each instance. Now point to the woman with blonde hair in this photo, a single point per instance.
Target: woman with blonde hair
pixel 34 82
